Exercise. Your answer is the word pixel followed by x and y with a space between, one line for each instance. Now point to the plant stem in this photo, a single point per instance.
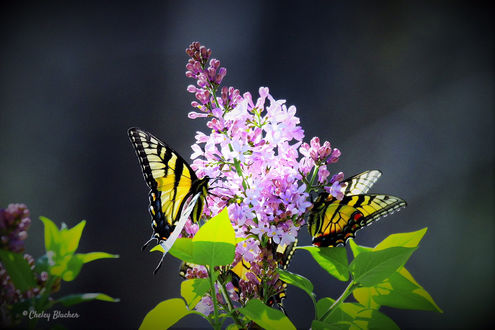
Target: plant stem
pixel 313 177
pixel 230 306
pixel 214 298
pixel 42 303
pixel 340 300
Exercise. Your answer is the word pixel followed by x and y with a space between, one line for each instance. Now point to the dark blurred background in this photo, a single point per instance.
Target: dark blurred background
pixel 405 87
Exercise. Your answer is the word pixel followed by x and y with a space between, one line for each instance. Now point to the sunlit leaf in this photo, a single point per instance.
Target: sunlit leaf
pixel 165 314
pixel 69 238
pixel 320 325
pixel 364 296
pixel 83 297
pixel 356 316
pixel 372 267
pixel 297 280
pixel 375 319
pixel 72 268
pixel 92 256
pixel 193 290
pixel 322 306
pixel 52 235
pixel 356 249
pixel 214 243
pixel 332 259
pixel 400 290
pixel 182 249
pixel 266 317
pixel 409 240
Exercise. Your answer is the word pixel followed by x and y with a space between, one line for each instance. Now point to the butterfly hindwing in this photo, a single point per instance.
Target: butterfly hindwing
pixel 170 179
pixel 333 222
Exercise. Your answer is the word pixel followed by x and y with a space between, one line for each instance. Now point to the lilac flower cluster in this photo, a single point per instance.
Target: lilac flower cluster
pixel 264 172
pixel 14 222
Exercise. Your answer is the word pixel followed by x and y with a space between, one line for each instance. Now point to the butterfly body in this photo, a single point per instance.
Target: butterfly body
pixel 333 222
pixel 171 180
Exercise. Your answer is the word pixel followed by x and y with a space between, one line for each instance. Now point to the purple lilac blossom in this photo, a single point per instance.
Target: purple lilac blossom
pixel 14 223
pixel 265 171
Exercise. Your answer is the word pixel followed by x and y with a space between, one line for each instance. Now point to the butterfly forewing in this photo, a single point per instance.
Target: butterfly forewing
pixel 170 179
pixel 361 183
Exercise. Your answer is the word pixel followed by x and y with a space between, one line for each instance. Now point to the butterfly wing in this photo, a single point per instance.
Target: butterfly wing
pixel 336 221
pixel 361 183
pixel 283 256
pixel 170 179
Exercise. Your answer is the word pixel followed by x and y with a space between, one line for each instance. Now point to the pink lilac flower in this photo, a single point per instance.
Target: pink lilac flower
pixel 205 305
pixel 231 291
pixel 14 223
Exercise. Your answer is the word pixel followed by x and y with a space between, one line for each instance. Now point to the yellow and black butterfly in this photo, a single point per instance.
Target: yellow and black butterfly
pixel 282 255
pixel 171 181
pixel 333 222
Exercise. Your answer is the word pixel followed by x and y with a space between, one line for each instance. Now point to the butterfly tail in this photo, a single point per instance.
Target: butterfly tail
pixel 159 264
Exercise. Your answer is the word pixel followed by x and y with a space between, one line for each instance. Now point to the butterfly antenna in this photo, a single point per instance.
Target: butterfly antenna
pixel 147 243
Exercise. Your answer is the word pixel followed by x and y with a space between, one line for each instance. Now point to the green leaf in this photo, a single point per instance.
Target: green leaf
pixel 400 290
pixel 356 249
pixel 375 319
pixel 322 306
pixel 409 240
pixel 357 316
pixel 419 291
pixel 341 313
pixel 74 299
pixel 182 249
pixel 372 267
pixel 42 264
pixel 58 265
pixel 72 268
pixel 69 238
pixel 233 326
pixel 92 256
pixel 213 253
pixel 19 270
pixel 237 165
pixel 165 314
pixel 240 239
pixel 193 290
pixel 52 235
pixel 364 296
pixel 320 325
pixel 331 259
pixel 297 280
pixel 214 243
pixel 266 317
